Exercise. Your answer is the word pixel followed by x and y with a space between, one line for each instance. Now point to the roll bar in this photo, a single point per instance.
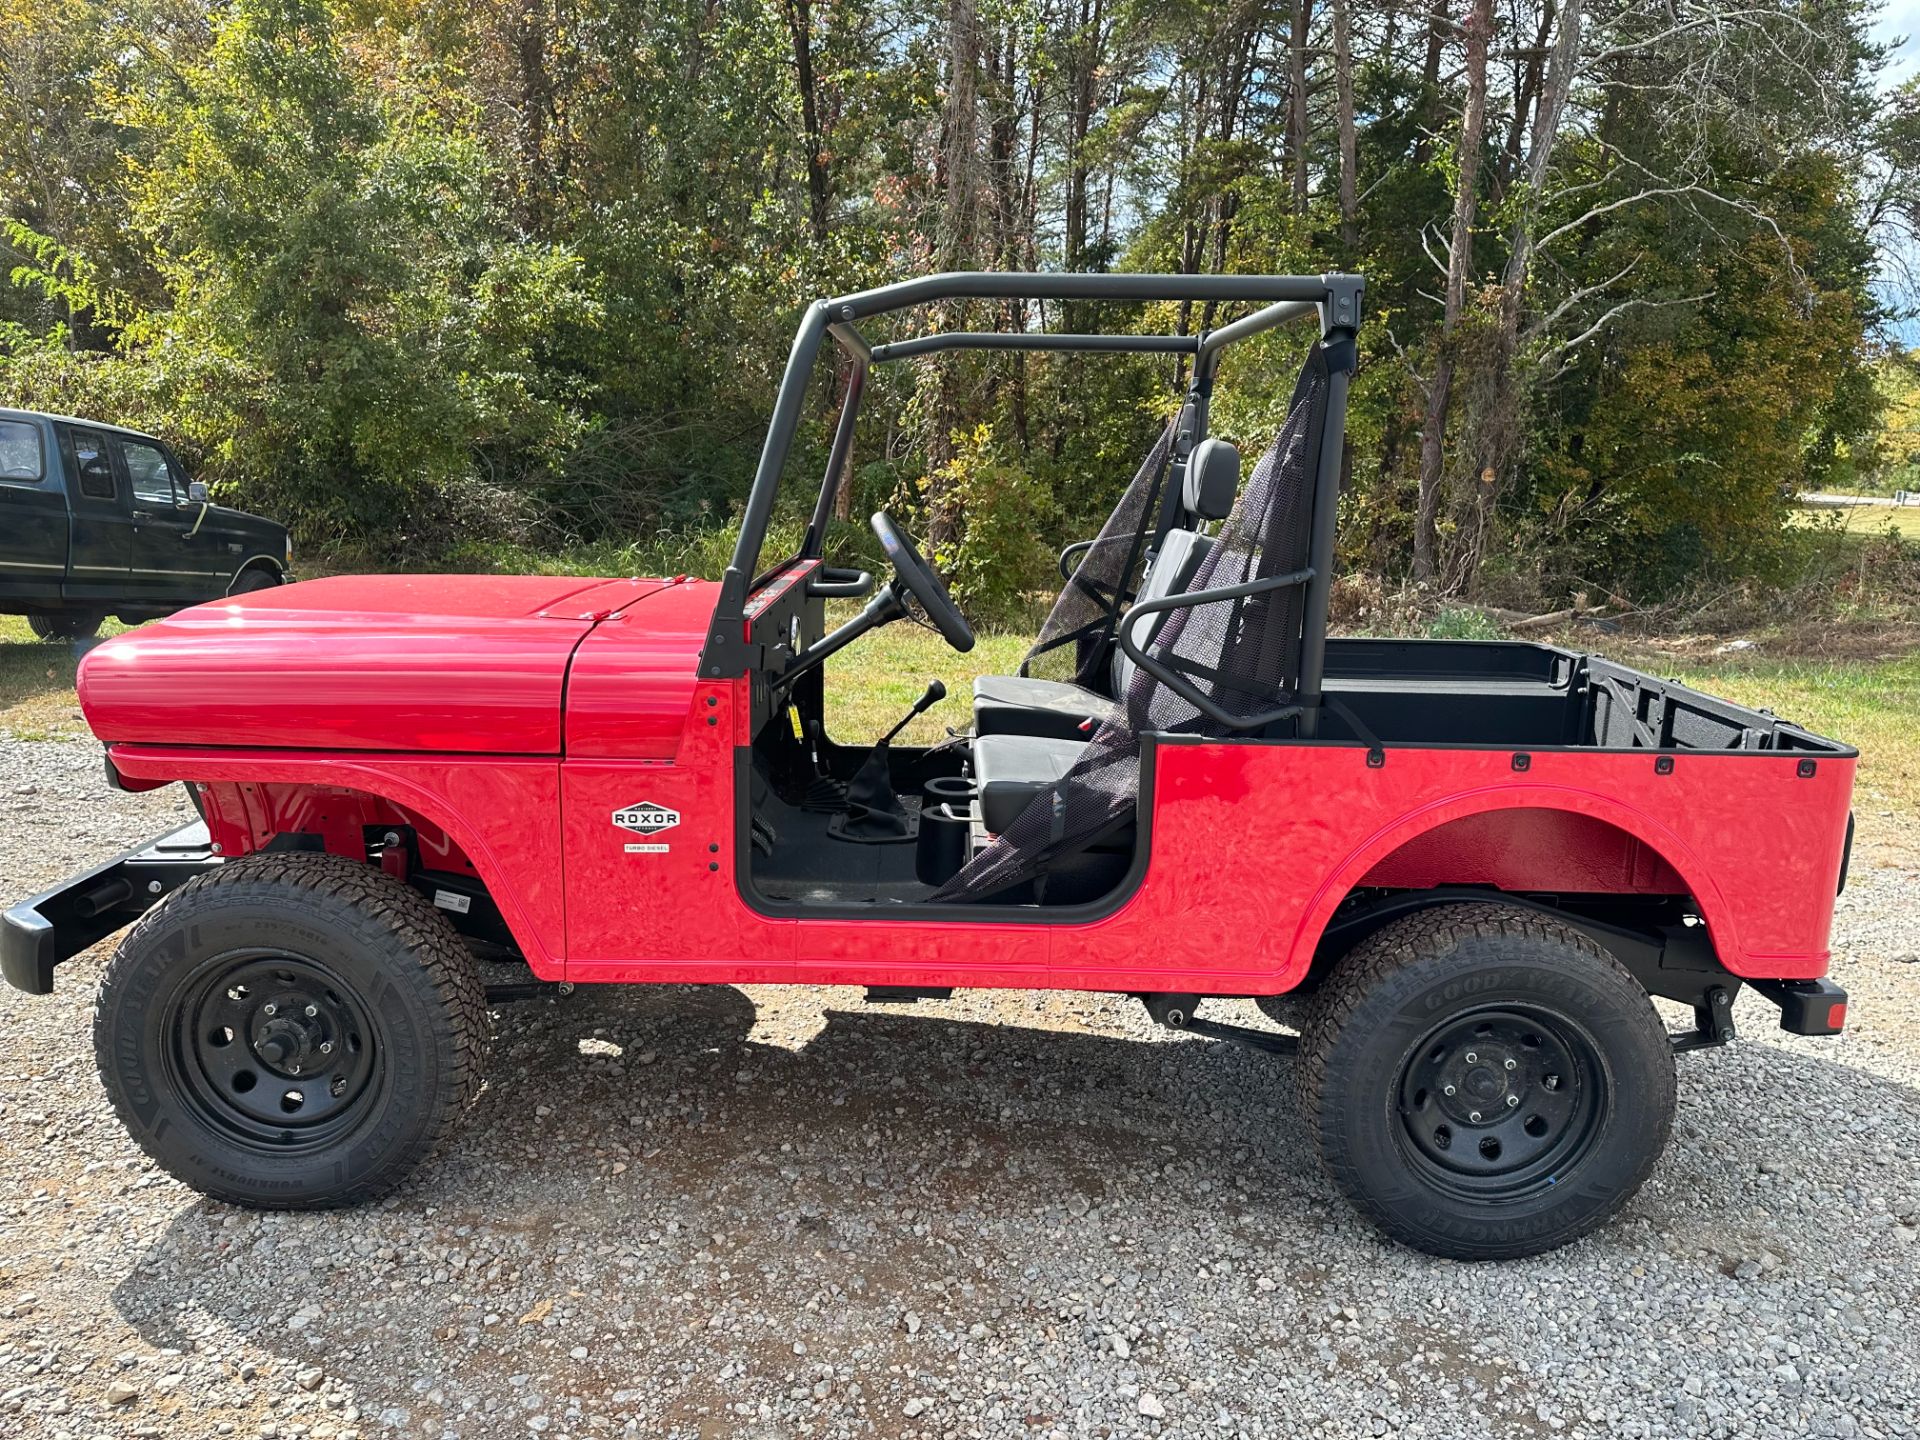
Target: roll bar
pixel 1283 298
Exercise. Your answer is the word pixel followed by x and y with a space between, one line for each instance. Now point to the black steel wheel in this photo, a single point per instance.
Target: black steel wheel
pixel 276 1048
pixel 291 1030
pixel 1485 1082
pixel 1498 1102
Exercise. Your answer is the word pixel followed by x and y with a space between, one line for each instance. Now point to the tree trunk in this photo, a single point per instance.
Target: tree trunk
pixel 1349 161
pixel 1473 125
pixel 1430 77
pixel 962 133
pixel 799 17
pixel 1502 399
pixel 1083 71
pixel 536 103
pixel 1526 99
pixel 959 162
pixel 1297 99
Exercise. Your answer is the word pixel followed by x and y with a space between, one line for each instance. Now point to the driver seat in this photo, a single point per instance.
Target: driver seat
pixel 1062 710
pixel 1063 811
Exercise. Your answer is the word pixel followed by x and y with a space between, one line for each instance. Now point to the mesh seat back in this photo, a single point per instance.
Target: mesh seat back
pixel 1073 643
pixel 1242 654
pixel 1171 572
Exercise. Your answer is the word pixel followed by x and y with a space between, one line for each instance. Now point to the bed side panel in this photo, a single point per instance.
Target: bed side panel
pixel 1253 847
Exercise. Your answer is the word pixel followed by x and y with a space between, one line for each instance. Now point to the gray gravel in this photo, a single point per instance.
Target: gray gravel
pixel 685 1212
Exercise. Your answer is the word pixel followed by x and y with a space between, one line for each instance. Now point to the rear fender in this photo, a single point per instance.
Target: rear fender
pixel 1669 848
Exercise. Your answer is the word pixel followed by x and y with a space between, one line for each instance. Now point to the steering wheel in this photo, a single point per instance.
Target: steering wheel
pixel 917 577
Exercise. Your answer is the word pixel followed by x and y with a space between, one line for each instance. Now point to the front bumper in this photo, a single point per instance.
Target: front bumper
pixel 57 924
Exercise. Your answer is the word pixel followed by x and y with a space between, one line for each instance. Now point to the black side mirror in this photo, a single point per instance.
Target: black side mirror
pixel 196 492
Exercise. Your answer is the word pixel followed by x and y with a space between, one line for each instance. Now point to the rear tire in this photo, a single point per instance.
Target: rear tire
pixel 65 624
pixel 291 1031
pixel 1561 1076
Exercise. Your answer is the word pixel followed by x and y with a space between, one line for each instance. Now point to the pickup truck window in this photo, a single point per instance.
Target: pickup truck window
pixel 20 457
pixel 147 472
pixel 96 470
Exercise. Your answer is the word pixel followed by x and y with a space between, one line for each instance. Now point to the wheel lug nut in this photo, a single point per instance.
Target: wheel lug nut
pixel 1513 1064
pixel 1449 1090
pixel 269 1009
pixel 1471 1057
pixel 312 1011
pixel 326 1048
pixel 1512 1100
pixel 1474 1115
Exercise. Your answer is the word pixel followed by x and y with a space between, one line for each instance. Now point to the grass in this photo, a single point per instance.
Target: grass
pixel 1862 520
pixel 1873 704
pixel 36 683
pixel 1870 703
pixel 871 683
pixel 868 686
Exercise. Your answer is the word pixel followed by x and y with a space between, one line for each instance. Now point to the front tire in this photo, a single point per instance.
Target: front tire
pixel 1485 1083
pixel 250 581
pixel 65 624
pixel 291 1031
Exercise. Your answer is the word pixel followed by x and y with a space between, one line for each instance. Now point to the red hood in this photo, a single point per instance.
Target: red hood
pixel 471 663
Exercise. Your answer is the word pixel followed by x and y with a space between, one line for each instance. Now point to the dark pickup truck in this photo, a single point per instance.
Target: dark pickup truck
pixel 96 521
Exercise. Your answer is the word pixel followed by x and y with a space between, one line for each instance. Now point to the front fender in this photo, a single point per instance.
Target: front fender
pixel 502 813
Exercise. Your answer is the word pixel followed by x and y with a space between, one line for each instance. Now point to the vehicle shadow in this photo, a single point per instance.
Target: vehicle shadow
pixel 662 1191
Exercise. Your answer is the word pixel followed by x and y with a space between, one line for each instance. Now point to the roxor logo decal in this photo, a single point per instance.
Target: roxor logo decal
pixel 646 818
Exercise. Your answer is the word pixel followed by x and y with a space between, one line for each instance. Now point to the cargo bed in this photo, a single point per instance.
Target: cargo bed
pixel 1507 693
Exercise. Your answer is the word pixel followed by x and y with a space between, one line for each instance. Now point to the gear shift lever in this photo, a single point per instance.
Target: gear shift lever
pixel 874 812
pixel 936 692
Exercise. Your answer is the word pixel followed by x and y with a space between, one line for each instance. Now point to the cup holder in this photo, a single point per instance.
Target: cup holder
pixel 942 846
pixel 952 789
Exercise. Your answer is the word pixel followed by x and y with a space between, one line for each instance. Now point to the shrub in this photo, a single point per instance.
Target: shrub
pixel 990 515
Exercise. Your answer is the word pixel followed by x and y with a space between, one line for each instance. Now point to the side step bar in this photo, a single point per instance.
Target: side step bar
pixel 1176 1013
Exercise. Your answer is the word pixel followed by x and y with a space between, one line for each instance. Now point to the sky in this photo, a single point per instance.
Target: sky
pixel 1900 17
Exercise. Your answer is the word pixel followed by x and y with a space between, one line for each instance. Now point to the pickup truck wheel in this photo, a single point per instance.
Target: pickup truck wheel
pixel 1485 1083
pixel 252 580
pixel 291 1030
pixel 65 624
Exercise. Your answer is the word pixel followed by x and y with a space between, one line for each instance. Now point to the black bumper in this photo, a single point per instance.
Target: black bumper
pixel 57 924
pixel 1807 1007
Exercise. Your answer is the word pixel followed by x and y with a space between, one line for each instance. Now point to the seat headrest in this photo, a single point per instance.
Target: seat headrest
pixel 1213 479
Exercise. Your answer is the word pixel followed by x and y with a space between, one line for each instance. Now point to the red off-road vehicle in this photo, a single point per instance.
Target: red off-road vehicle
pixel 1476 862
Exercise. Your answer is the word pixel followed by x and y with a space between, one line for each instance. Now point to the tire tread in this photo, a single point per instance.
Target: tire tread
pixel 1373 964
pixel 379 904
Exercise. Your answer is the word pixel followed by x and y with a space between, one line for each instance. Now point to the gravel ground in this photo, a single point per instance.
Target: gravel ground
pixel 779 1212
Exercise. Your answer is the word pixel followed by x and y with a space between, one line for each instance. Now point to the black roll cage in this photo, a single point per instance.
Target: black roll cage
pixel 1334 299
